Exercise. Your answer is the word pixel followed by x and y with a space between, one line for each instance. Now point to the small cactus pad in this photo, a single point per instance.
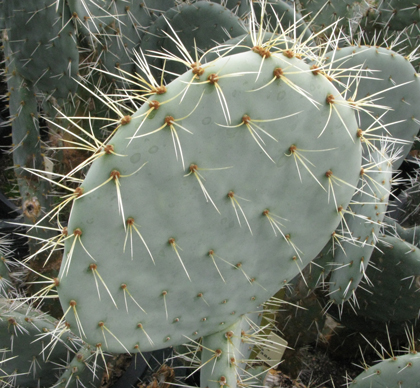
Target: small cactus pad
pixel 396 282
pixel 187 31
pixel 396 372
pixel 29 357
pixel 360 226
pixel 48 57
pixel 389 80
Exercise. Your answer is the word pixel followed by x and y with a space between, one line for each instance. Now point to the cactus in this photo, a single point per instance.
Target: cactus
pixel 398 14
pixel 33 345
pixel 48 58
pixel 360 226
pixel 181 183
pixel 397 371
pixel 394 296
pixel 182 30
pixel 283 16
pixel 27 154
pixel 83 370
pixel 388 78
pixel 338 14
pixel 236 158
pixel 225 353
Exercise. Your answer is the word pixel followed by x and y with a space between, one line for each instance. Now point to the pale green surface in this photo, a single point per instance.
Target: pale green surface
pixel 47 57
pixel 392 81
pixel 167 204
pixel 362 222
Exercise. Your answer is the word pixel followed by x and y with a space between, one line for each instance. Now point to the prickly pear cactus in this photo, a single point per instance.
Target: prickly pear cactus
pixel 83 370
pixel 47 57
pixel 30 359
pixel 340 14
pixel 396 280
pixel 187 31
pixel 227 172
pixel 388 91
pixel 397 371
pixel 360 226
pixel 225 354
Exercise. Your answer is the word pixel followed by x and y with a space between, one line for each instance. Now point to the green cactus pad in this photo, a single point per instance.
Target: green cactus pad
pixel 84 370
pixel 396 281
pixel 323 13
pixel 225 353
pixel 399 14
pixel 396 372
pixel 285 14
pixel 239 7
pixel 246 42
pixel 25 343
pixel 47 57
pixel 360 226
pixel 394 229
pixel 92 16
pixel 200 25
pixel 5 282
pixel 184 243
pixel 389 80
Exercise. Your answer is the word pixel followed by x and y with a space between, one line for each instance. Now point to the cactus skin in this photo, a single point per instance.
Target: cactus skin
pixel 394 296
pixel 22 329
pixel 28 154
pixel 91 17
pixel 406 208
pixel 399 14
pixel 240 8
pixel 395 372
pixel 221 356
pixel 26 146
pixel 47 57
pixel 362 222
pixel 6 286
pixel 110 63
pixel 398 87
pixel 163 182
pixel 226 354
pixel 32 361
pixel 195 28
pixel 114 30
pixel 283 13
pixel 394 229
pixel 79 372
pixel 26 143
pixel 341 12
pixel 244 43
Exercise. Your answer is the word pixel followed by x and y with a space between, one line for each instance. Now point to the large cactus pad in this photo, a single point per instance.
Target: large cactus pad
pixel 216 204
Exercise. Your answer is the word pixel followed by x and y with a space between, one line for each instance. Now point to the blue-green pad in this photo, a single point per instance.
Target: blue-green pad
pixel 92 15
pixel 340 12
pixel 48 57
pixel 200 25
pixel 285 14
pixel 360 226
pixel 396 372
pixel 192 217
pixel 225 354
pixel 25 336
pixel 396 282
pixel 392 82
pixel 399 14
